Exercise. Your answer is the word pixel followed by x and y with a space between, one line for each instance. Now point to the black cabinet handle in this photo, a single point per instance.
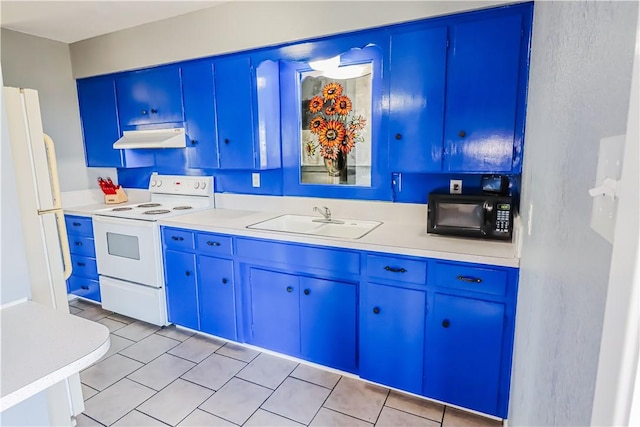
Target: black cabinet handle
pixel 78 243
pixel 376 310
pixel 187 273
pixel 213 243
pixel 80 264
pixel 446 323
pixel 224 280
pixel 194 142
pixel 462 134
pixel 85 287
pixel 289 289
pixel 307 291
pixel 77 224
pixel 154 111
pixel 178 238
pixel 395 270
pixel 226 140
pixel 469 279
pixel 398 136
pixel 143 112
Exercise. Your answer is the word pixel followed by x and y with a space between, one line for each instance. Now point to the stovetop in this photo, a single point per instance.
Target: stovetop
pixel 171 195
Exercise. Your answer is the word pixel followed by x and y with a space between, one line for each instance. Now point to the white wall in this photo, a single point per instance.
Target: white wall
pixel 614 402
pixel 45 65
pixel 580 79
pixel 241 25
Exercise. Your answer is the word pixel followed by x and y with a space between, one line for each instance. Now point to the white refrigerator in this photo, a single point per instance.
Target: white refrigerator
pixel 43 226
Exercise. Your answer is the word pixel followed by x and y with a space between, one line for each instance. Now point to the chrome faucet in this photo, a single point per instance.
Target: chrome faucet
pixel 324 211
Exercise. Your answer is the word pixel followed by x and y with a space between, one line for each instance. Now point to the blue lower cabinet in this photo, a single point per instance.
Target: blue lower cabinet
pixel 464 358
pixel 182 299
pixel 310 318
pixel 275 311
pixel 84 287
pixel 216 297
pixel 84 272
pixel 392 336
pixel 328 323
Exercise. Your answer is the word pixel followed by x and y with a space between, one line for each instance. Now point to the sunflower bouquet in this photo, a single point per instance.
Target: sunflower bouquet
pixel 334 127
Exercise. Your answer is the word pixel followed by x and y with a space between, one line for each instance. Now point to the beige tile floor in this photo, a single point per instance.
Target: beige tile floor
pixel 155 376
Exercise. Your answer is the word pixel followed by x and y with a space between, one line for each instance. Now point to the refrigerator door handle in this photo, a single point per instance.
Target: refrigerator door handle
pixel 53 174
pixel 64 244
pixel 57 205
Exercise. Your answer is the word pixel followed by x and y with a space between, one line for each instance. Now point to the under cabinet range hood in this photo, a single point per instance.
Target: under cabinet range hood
pixel 152 138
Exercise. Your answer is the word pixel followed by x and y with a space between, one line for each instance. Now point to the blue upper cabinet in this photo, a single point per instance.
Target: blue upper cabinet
pixel 248 113
pixel 486 81
pixel 99 116
pixel 233 86
pixel 100 125
pixel 150 96
pixel 199 112
pixel 416 109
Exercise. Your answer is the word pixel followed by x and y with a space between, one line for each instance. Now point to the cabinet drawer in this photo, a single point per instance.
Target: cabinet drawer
pixel 214 244
pixel 469 278
pixel 82 245
pixel 178 239
pixel 396 269
pixel 84 266
pixel 83 287
pixel 338 261
pixel 79 225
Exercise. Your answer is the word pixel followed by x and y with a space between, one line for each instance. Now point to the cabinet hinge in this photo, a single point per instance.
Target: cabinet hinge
pixel 447 44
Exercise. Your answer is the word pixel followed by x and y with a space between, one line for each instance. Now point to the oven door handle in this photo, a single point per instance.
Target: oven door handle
pixel 101 219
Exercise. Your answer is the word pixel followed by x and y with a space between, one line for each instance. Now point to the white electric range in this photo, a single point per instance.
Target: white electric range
pixel 129 247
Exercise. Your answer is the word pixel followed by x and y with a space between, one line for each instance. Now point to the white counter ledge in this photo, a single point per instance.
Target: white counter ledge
pixel 41 347
pixel 394 237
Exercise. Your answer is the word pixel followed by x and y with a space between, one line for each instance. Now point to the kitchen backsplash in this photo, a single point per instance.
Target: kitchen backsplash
pixel 409 188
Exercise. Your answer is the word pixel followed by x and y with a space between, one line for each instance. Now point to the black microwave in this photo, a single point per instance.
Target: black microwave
pixel 485 216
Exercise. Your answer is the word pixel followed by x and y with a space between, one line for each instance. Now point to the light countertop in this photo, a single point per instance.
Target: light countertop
pixel 403 231
pixel 41 347
pixel 394 237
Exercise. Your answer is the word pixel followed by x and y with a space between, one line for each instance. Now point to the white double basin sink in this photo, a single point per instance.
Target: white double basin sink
pixel 315 226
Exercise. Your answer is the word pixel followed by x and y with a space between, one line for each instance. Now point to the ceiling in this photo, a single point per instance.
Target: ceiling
pixel 72 21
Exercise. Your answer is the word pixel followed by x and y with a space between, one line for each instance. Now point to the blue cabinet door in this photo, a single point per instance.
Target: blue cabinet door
pixel 417 79
pixel 199 114
pixel 463 361
pixel 150 96
pixel 100 126
pixel 234 109
pixel 392 336
pixel 482 94
pixel 182 300
pixel 328 322
pixel 216 297
pixel 275 311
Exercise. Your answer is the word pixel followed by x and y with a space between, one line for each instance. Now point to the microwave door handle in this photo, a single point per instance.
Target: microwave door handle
pixel 487 221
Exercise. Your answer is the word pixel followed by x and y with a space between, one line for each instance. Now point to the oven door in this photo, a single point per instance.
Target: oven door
pixel 128 249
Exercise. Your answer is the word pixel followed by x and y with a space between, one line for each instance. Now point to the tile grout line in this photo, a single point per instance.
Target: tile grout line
pixel 217 416
pixel 325 399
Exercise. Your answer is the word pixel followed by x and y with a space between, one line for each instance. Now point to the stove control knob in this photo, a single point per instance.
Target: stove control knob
pixel 153 182
pixel 158 183
pixel 204 185
pixel 196 185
